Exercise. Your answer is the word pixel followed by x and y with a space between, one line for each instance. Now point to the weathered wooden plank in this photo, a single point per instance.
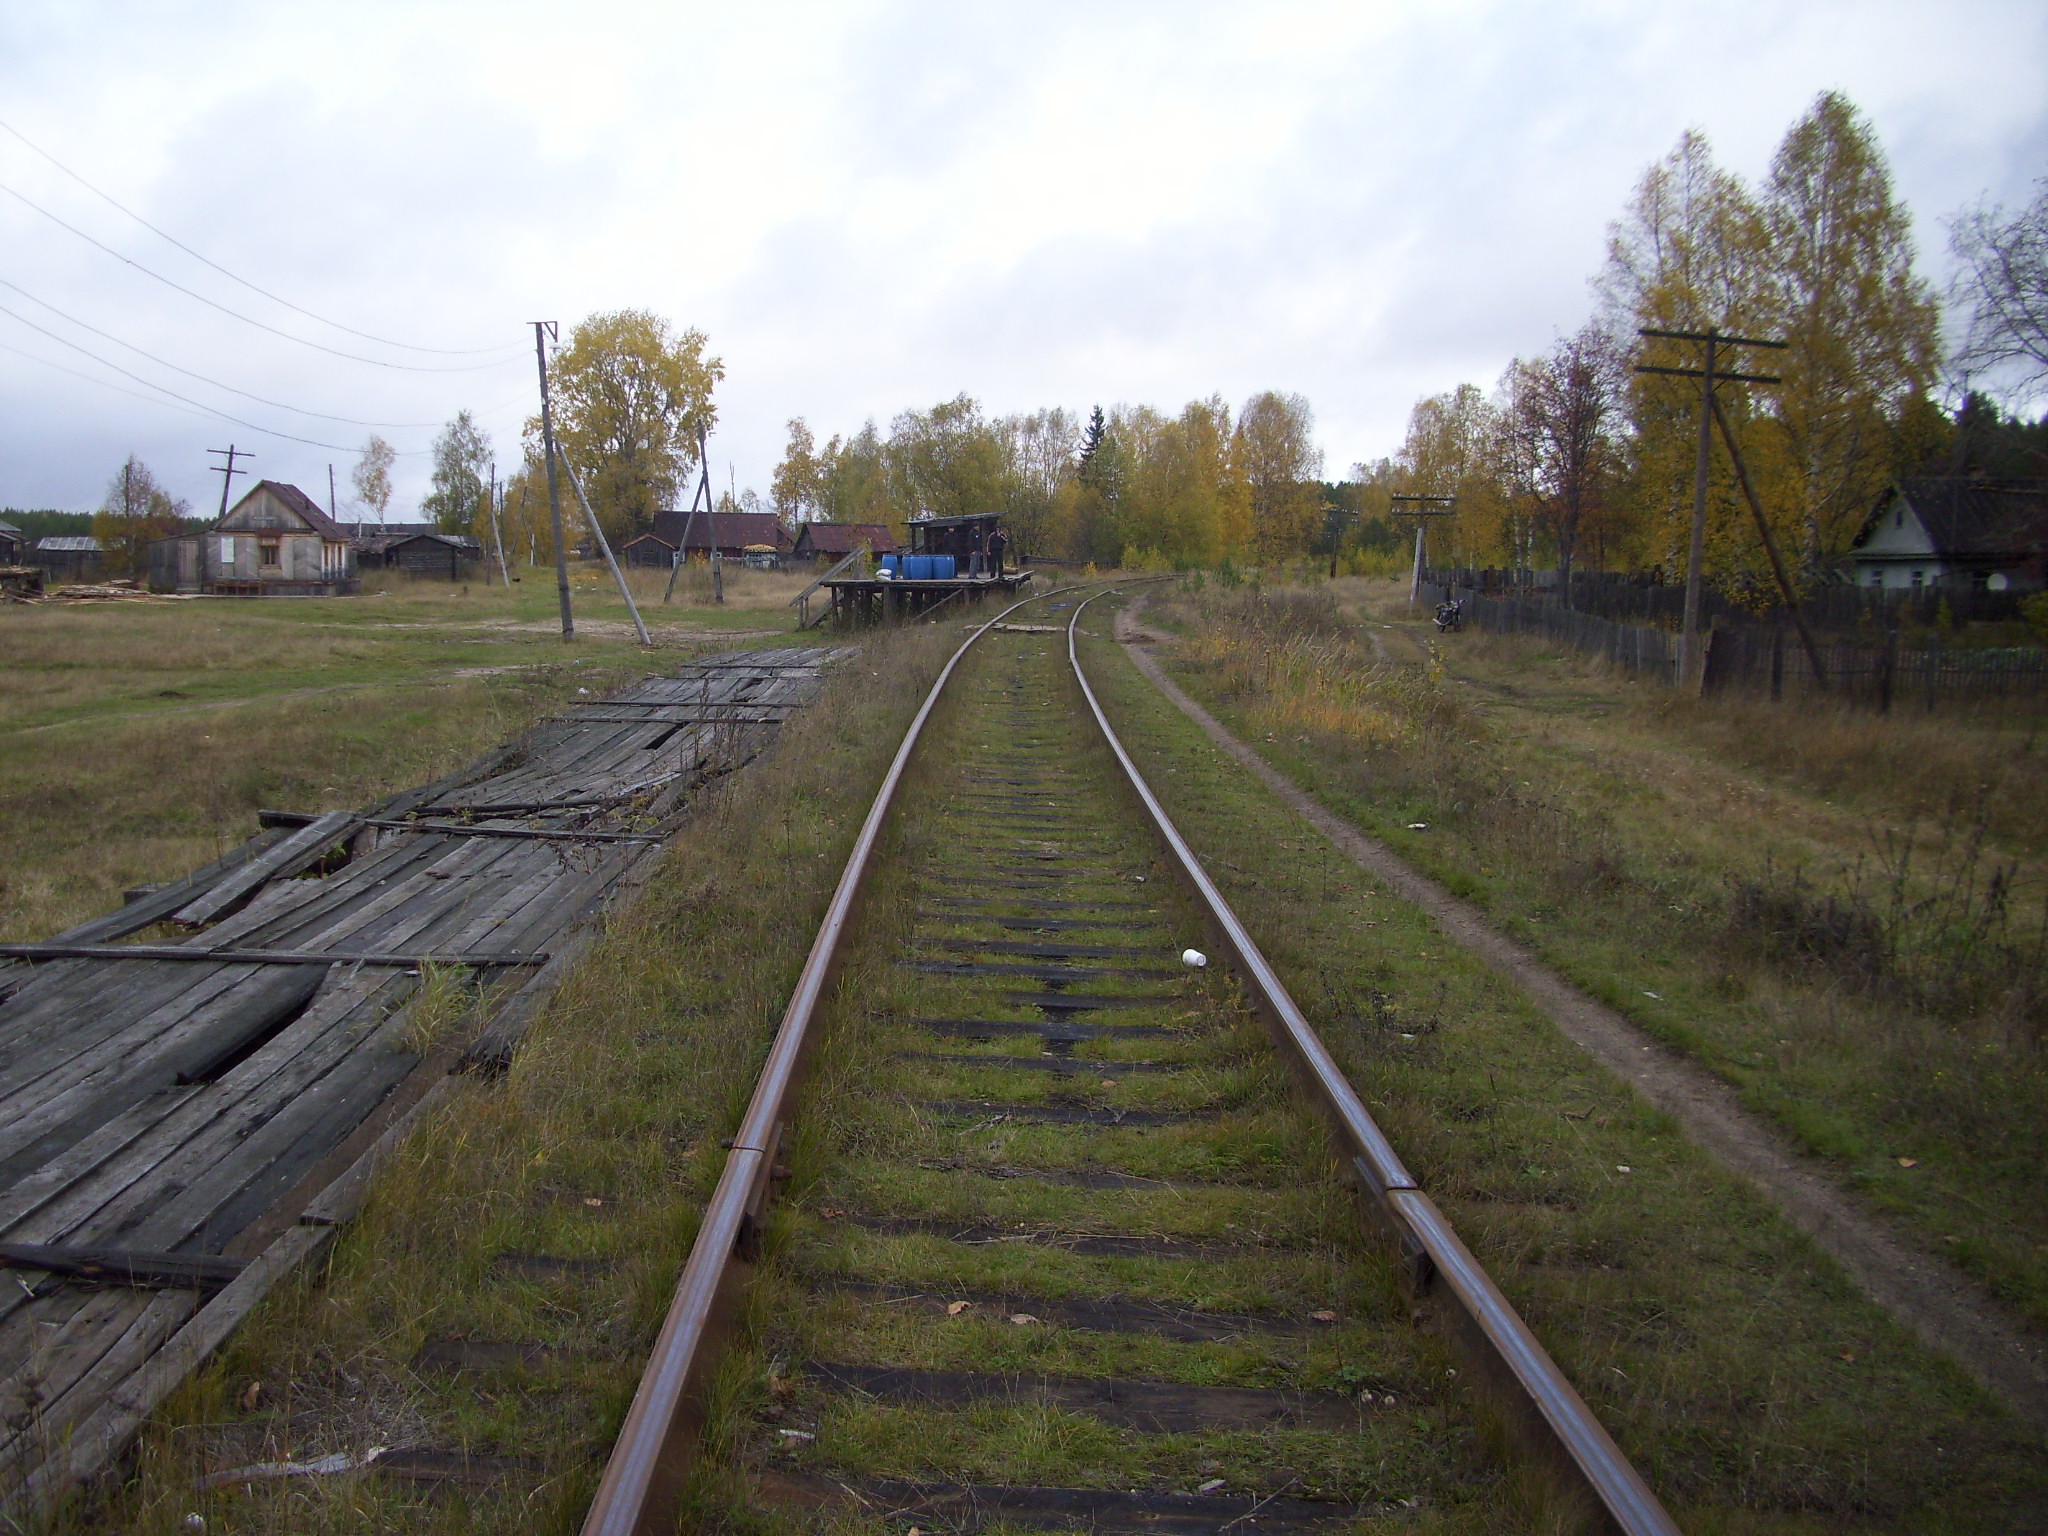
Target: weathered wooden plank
pixel 293 854
pixel 102 1084
pixel 224 1140
pixel 128 1397
pixel 258 956
pixel 154 908
pixel 63 1199
pixel 136 1326
pixel 535 834
pixel 123 1266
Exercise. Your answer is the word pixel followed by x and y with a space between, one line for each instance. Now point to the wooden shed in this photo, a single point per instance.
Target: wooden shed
pixel 730 533
pixel 835 541
pixel 11 544
pixel 69 557
pixel 452 556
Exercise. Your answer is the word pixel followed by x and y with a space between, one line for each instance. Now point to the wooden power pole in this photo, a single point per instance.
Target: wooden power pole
pixel 1690 653
pixel 1422 509
pixel 227 471
pixel 545 331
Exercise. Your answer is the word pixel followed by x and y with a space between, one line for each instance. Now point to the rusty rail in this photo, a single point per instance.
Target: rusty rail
pixel 641 1491
pixel 1545 1409
pixel 642 1488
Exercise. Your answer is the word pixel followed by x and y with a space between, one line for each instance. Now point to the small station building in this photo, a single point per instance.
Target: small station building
pixel 949 557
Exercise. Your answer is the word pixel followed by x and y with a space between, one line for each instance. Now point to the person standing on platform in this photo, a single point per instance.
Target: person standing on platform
pixel 997 544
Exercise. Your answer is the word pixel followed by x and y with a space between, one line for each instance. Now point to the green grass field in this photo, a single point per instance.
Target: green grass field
pixel 138 739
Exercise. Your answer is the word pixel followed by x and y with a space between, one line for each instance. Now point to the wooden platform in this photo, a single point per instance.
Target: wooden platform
pixel 871 600
pixel 173 1130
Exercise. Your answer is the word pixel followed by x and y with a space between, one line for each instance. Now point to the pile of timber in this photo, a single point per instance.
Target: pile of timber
pixel 182 1122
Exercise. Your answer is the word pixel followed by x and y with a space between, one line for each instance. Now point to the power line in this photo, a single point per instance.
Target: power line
pixel 197 405
pixel 353 357
pixel 298 410
pixel 232 277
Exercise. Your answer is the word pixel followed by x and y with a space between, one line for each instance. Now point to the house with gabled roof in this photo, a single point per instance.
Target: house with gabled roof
pixel 835 541
pixel 696 535
pixel 275 542
pixel 1958 531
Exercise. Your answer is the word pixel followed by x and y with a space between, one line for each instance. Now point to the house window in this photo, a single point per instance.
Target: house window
pixel 1919 578
pixel 1877 575
pixel 266 551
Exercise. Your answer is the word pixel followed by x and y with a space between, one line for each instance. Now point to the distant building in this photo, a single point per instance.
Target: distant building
pixel 730 533
pixel 12 544
pixel 423 553
pixel 69 556
pixel 835 541
pixel 274 542
pixel 1956 530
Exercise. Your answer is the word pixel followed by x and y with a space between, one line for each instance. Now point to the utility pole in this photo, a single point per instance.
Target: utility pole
pixel 545 331
pixel 1690 654
pixel 498 530
pixel 330 495
pixel 1339 517
pixel 1422 509
pixel 227 471
pixel 703 494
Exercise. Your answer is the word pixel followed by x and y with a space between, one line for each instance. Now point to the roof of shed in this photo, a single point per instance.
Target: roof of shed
pixel 69 543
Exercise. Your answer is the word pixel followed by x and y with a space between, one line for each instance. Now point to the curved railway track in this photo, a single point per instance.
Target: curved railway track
pixel 1031 1224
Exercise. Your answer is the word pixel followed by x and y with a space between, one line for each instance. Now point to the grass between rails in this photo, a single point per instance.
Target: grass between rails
pixel 1859 956
pixel 1752 1385
pixel 597 1149
pixel 137 740
pixel 935 1131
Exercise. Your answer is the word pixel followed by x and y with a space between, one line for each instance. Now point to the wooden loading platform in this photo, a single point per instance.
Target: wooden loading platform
pixel 183 1122
pixel 879 600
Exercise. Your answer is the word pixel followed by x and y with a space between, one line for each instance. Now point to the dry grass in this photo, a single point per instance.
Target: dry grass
pixel 1879 986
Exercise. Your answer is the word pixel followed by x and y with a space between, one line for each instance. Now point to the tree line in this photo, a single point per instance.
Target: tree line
pixel 1576 458
pixel 1572 457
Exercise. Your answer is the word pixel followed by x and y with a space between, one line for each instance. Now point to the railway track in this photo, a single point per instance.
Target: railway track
pixel 1032 1223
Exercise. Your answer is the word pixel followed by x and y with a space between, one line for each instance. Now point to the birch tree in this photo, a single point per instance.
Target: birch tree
pixel 1862 324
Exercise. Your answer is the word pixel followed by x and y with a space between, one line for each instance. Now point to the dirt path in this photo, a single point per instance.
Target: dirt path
pixel 1947 1310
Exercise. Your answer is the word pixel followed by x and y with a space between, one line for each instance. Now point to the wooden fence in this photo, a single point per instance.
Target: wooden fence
pixel 1772 662
pixel 1646 652
pixel 1637 599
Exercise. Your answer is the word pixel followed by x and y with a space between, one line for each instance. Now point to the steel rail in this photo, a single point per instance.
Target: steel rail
pixel 641 1491
pixel 1543 1404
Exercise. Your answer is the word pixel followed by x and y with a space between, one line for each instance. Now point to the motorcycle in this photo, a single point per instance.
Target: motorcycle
pixel 1450 616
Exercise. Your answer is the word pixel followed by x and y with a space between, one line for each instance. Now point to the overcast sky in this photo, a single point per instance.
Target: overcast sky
pixel 872 206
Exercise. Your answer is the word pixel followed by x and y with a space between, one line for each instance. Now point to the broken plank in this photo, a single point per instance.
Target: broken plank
pixel 290 856
pixel 123 1266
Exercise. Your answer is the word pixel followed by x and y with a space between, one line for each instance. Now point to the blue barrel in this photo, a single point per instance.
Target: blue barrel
pixel 942 567
pixel 890 563
pixel 918 567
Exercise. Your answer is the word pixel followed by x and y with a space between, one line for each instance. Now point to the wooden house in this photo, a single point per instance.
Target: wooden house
pixel 452 556
pixel 12 544
pixel 832 542
pixel 1957 531
pixel 69 557
pixel 274 542
pixel 732 534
